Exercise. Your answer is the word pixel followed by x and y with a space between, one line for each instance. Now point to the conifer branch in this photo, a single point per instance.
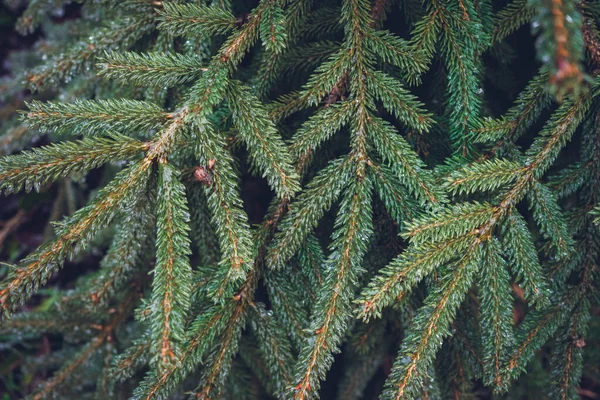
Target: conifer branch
pixel 117 35
pixel 395 51
pixel 567 358
pixel 198 79
pixel 288 305
pixel 569 180
pixel 512 17
pixel 496 311
pixel 402 274
pixel 347 252
pixel 172 274
pixel 95 117
pixel 426 34
pixel 389 189
pixel 463 83
pixel 105 335
pixel 560 40
pixel 127 250
pixel 311 260
pixel 34 13
pixel 532 333
pixel 360 372
pixel 37 268
pixel 131 360
pixel 348 248
pixel 406 164
pixel 326 77
pixel 195 19
pixel 33 169
pixel 306 57
pixel 529 105
pixel 319 128
pixel 523 258
pixel 275 348
pixel 219 361
pixel 430 326
pixel 229 219
pixel 547 214
pixel 204 330
pixel 272 27
pixel 269 153
pixel 305 212
pixel 450 223
pixel 399 101
pixel 157 69
pixel 293 18
pixel 486 175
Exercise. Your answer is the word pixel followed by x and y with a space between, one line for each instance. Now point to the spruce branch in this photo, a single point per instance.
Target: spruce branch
pixel 33 15
pixel 360 372
pixel 171 286
pixel 401 158
pixel 205 329
pixel 570 179
pixel 104 336
pixel 267 150
pixel 38 267
pixel 335 295
pixel 273 28
pixel 285 33
pixel 486 175
pixel 33 169
pixel 567 357
pixel 319 128
pixel 289 306
pixel 117 35
pixel 496 311
pixel 425 34
pixel 560 41
pixel 397 52
pixel 201 113
pixel 399 101
pixel 538 326
pixel 305 212
pixel 195 19
pixel 348 247
pixel 400 206
pixel 321 22
pixel 512 17
pixel 528 107
pixel 128 250
pixel 275 348
pixel 326 77
pixel 305 58
pixel 452 222
pixel 556 133
pixel 460 56
pixel 523 258
pixel 229 219
pixel 403 273
pixel 311 260
pixel 547 214
pixel 431 325
pixel 144 69
pixel 99 117
pixel 219 361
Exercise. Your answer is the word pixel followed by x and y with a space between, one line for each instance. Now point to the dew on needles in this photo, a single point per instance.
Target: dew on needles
pixel 236 192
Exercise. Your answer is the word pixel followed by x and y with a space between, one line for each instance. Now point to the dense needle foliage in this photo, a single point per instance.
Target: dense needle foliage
pixel 430 194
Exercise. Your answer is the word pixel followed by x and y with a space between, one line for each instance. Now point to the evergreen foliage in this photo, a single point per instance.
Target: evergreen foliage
pixel 420 207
